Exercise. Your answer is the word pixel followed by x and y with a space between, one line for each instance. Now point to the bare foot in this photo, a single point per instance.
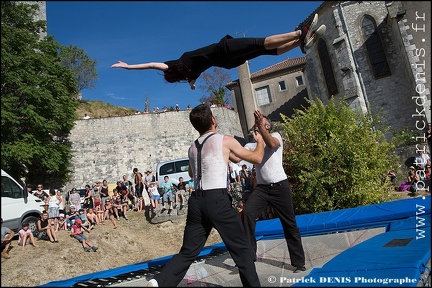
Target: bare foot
pixel 115 227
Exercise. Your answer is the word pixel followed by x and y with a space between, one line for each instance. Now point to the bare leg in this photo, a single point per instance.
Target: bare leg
pixel 276 41
pixel 32 240
pixel 113 221
pixel 50 236
pixel 24 242
pixel 53 234
pixel 288 46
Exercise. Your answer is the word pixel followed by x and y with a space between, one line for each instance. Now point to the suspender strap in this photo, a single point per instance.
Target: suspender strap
pixel 199 148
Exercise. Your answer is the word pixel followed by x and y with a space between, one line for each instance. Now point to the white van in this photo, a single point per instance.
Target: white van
pixel 174 169
pixel 17 205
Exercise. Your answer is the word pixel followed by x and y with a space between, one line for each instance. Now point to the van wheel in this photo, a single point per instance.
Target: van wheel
pixel 32 221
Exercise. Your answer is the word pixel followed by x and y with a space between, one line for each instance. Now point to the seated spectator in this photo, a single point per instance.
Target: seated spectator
pixel 115 194
pixel 421 160
pixel 410 183
pixel 45 229
pixel 92 218
pixel 25 237
pixel 6 240
pixel 167 197
pixel 188 108
pixel 71 216
pixel 177 108
pixel 62 222
pixel 100 215
pixel 110 212
pixel 77 232
pixel 121 207
pixel 392 176
pixel 181 192
pixel 83 217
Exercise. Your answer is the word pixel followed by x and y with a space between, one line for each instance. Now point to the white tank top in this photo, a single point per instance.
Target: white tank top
pixel 213 165
pixel 270 170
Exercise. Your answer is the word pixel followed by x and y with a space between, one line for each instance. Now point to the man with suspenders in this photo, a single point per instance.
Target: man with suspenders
pixel 210 205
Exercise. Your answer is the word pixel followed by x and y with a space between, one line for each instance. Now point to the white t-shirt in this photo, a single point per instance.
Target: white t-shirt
pixel 153 191
pixel 235 170
pixel 270 170
pixel 53 202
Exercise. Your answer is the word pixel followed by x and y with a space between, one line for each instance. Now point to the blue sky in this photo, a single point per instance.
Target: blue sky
pixel 145 31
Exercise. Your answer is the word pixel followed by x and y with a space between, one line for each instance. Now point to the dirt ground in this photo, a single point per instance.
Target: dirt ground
pixel 134 241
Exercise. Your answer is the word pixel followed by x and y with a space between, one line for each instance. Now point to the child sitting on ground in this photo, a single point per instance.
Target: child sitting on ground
pixel 92 218
pixel 83 217
pixel 77 232
pixel 26 236
pixel 62 222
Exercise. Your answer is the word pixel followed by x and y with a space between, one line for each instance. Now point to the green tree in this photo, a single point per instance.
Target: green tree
pixel 84 68
pixel 214 84
pixel 335 158
pixel 36 103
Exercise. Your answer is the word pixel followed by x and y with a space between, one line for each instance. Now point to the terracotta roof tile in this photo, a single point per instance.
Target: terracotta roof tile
pixel 280 66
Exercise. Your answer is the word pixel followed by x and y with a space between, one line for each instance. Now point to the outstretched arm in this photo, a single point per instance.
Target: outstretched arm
pixel 143 66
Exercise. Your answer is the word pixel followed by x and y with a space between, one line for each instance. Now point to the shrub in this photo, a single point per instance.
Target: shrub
pixel 335 158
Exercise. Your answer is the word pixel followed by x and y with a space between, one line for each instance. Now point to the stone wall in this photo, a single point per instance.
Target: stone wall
pixel 389 97
pixel 107 148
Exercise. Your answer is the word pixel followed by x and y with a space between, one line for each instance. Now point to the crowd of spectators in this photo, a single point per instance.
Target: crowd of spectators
pixel 98 206
pixel 157 110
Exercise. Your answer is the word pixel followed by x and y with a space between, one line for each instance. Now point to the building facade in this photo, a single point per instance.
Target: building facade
pixel 275 90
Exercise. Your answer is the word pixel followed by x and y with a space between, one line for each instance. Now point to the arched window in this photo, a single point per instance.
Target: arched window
pixel 374 48
pixel 327 68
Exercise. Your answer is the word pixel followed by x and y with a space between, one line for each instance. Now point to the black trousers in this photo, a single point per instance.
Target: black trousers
pixel 211 209
pixel 243 49
pixel 277 195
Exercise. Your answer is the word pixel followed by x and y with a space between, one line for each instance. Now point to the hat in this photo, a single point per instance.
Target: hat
pixel 411 167
pixel 78 221
pixel 72 206
pixel 98 181
pixel 61 215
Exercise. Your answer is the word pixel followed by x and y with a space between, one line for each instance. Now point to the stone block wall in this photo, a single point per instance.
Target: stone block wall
pixel 107 148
